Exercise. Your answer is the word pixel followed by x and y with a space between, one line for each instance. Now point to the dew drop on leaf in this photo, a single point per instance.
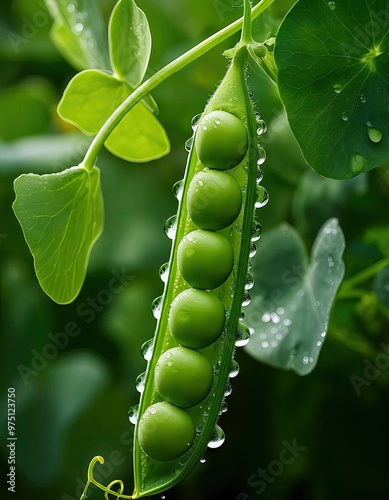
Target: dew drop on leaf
pixel 357 162
pixel 375 135
pixel 332 5
pixel 344 116
pixel 338 88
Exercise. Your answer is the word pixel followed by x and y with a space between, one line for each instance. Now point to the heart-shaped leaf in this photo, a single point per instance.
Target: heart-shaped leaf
pixel 89 100
pixel 333 63
pixel 290 308
pixel 62 217
pixel 129 42
pixel 80 33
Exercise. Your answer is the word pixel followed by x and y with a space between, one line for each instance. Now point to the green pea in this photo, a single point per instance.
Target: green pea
pixel 196 318
pixel 183 376
pixel 205 259
pixel 221 140
pixel 165 432
pixel 214 199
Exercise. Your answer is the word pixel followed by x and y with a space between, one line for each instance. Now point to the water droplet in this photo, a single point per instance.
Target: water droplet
pixel 217 437
pixel 163 497
pixel 147 349
pixel 261 156
pixel 344 116
pixel 234 369
pixel 261 127
pixel 375 135
pixel 256 231
pixel 259 176
pixel 228 390
pixel 156 307
pixel 357 162
pixel 133 414
pixel 78 27
pixel 189 144
pixel 253 250
pixel 363 98
pixel 257 116
pixel 178 189
pixel 249 282
pixel 202 460
pixel 287 322
pixel 318 343
pixel 71 8
pixel 140 382
pixel 338 88
pixel 323 334
pixel 223 407
pixel 170 227
pixel 332 5
pixel 264 344
pixel 246 299
pixel 262 197
pixel 242 335
pixel 274 318
pixel 164 272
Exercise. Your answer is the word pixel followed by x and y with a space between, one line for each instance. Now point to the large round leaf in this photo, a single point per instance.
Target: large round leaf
pixel 333 62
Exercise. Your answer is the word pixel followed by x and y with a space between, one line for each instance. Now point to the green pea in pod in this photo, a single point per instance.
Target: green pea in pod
pixel 187 378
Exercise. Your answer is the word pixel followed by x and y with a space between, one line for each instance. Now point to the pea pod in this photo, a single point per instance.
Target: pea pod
pixel 203 292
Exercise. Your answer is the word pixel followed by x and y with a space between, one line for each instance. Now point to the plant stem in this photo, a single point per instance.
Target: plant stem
pixel 246 29
pixel 159 77
pixel 349 285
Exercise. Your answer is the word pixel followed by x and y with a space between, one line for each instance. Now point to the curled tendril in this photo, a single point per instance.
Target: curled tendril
pixel 119 492
pixel 107 489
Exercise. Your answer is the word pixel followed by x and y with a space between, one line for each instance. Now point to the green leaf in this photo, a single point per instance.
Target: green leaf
pixel 89 100
pixel 79 32
pixel 139 137
pixel 129 42
pixel 62 217
pixel 290 310
pixel 333 62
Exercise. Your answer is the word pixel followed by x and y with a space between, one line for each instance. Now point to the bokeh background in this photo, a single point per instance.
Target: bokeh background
pixel 74 367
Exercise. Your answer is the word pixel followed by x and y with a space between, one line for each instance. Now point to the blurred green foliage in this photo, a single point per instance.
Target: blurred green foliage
pixel 74 366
